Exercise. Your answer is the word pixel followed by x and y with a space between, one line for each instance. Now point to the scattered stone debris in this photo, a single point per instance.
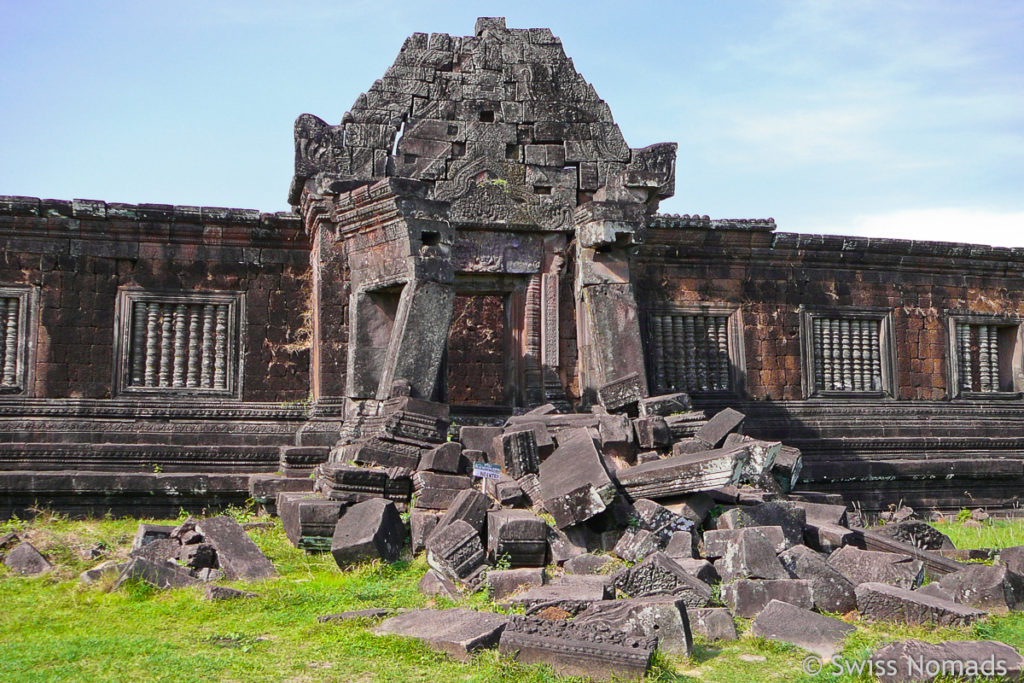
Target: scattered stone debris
pixel 372 613
pixel 25 559
pixel 792 624
pixel 458 632
pixel 225 593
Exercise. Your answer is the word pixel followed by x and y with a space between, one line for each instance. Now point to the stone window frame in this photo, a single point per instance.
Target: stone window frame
pixel 886 342
pixel 734 338
pixel 954 316
pixel 28 318
pixel 127 297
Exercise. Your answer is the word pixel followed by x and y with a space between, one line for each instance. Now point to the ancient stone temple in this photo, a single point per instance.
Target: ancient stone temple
pixel 474 239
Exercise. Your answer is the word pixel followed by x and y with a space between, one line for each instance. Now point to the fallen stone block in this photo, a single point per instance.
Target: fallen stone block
pixel 791 624
pixel 746 598
pixel 309 520
pixel 644 457
pixel 659 574
pixel 830 590
pixel 682 544
pixel 712 623
pixel 991 588
pixel 688 446
pixel 722 424
pixel 823 513
pixel 570 596
pixel 542 437
pixel 198 556
pixel 1012 558
pixel 438 491
pixel 787 468
pixel 434 585
pixel 589 564
pixel 866 566
pixel 529 484
pixel 827 538
pixel 369 530
pixel 934 590
pixel 664 405
pixel 26 560
pixel 662 617
pixel 480 439
pixel 934 563
pixel 351 484
pixel 717 541
pixel 574 483
pixel 445 459
pixel 237 556
pixel 916 533
pixel 470 506
pixel 576 650
pixel 456 552
pixel 160 550
pixel 518 535
pixel 378 452
pixel 109 567
pixel 622 393
pixel 615 434
pixel 503 583
pixel 372 613
pixel 517 452
pixel 636 544
pixel 659 520
pixel 264 488
pixel 652 432
pixel 565 544
pixel 700 569
pixel 421 525
pixel 298 462
pixel 162 575
pixel 509 494
pixel 457 632
pixel 758 470
pixel 913 661
pixel 147 533
pixel 882 602
pixel 225 593
pixel 749 556
pixel 681 474
pixel 208 574
pixel 791 518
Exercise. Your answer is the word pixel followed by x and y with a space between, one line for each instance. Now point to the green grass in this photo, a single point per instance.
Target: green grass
pixel 53 628
pixel 993 533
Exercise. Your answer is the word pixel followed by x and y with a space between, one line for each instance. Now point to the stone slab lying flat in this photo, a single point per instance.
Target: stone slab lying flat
pixel 790 624
pixel 663 617
pixel 503 583
pixel 237 556
pixel 747 598
pixel 577 650
pixel 866 566
pixel 571 596
pixel 372 613
pixel 992 588
pixel 882 602
pixel 913 661
pixel 660 574
pixel 681 474
pixel 457 632
pixel 832 592
pixel 163 575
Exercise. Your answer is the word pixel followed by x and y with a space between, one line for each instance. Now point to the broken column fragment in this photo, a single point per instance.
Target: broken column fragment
pixel 517 452
pixel 574 483
pixel 682 474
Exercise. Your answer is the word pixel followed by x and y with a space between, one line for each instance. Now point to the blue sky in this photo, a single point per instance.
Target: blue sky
pixel 896 119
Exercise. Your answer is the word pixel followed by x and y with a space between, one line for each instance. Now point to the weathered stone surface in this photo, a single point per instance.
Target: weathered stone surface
pixel 791 624
pixel 659 520
pixel 160 550
pixel 717 541
pixel 434 585
pixel 699 568
pixel 163 575
pixel 421 525
pixel 25 559
pixel 664 405
pixel 225 593
pixel 659 574
pixel 574 483
pixel 784 514
pixel 470 506
pixel 652 432
pixel 541 436
pixel 503 583
pixel 565 544
pixel 309 520
pixel 831 591
pixel 198 556
pixel 518 535
pixel 480 439
pixel 457 632
pixel 636 544
pixel 380 453
pixel 747 597
pixel 787 468
pixel 913 661
pixel 661 617
pixel 589 564
pixel 371 613
pixel 713 623
pixel 863 566
pixel 577 650
pixel 681 474
pixel 883 602
pixel 573 594
pixel 934 590
pixel 723 423
pixel 108 567
pixel 992 588
pixel 456 551
pixel 369 530
pixel 147 533
pixel 438 491
pixel 682 544
pixel 446 458
pixel 1013 559
pixel 823 513
pixel 622 393
pixel 827 538
pixel 918 534
pixel 237 556
pixel 517 452
pixel 750 556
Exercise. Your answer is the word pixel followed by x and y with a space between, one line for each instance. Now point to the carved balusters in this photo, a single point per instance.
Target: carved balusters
pixel 818 343
pixel 876 355
pixel 983 356
pixel 220 349
pixel 152 343
pixel 689 337
pixel 194 346
pixel 206 367
pixel 963 355
pixel 855 348
pixel 138 353
pixel 847 354
pixel 723 353
pixel 658 354
pixel 9 320
pixel 180 341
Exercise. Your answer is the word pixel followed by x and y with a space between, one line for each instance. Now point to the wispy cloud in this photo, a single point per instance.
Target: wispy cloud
pixel 975 226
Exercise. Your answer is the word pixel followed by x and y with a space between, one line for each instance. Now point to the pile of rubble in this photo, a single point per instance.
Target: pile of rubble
pixel 611 531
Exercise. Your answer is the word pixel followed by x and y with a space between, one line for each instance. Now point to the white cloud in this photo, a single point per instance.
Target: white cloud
pixel 975 226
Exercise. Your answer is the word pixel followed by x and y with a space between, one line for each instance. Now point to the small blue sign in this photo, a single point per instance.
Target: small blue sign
pixel 485 470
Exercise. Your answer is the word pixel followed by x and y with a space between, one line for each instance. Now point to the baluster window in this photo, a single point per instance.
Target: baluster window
pixel 17 303
pixel 694 350
pixel 985 356
pixel 847 352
